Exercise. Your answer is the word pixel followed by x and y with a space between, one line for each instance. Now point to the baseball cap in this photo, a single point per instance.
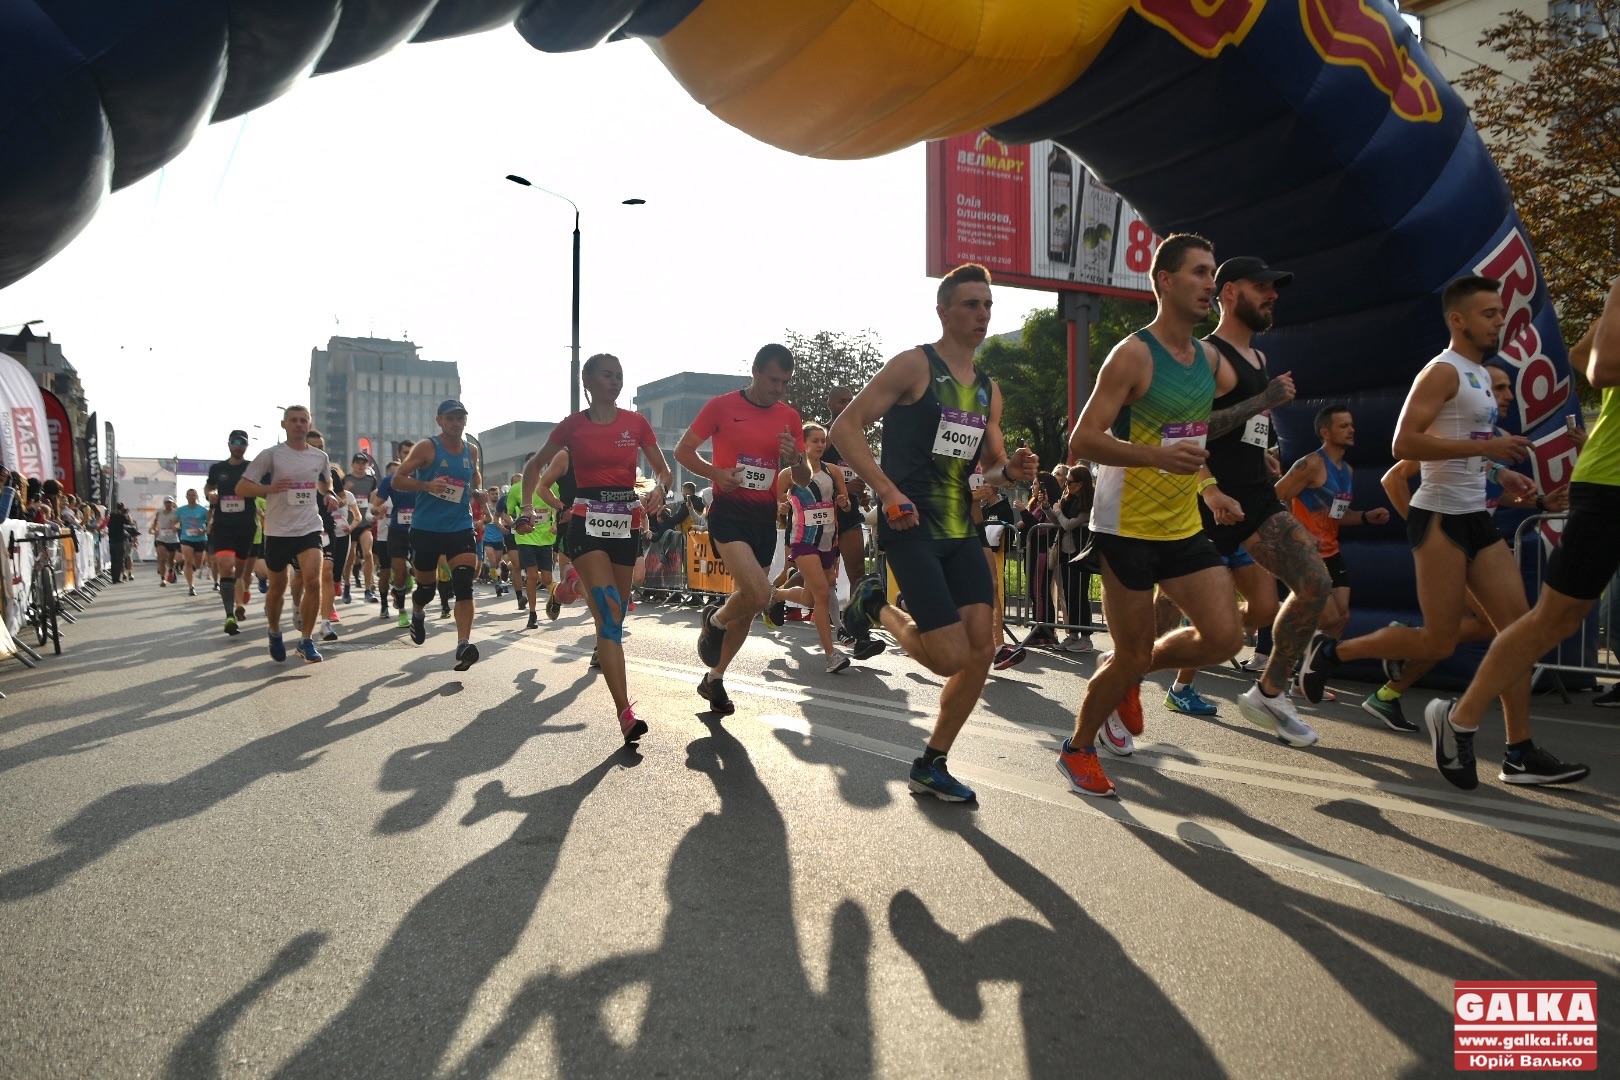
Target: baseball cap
pixel 450 405
pixel 238 436
pixel 168 498
pixel 1251 268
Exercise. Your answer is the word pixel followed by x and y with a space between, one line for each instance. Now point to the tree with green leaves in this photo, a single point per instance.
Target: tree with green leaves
pixel 1032 369
pixel 1556 136
pixel 825 360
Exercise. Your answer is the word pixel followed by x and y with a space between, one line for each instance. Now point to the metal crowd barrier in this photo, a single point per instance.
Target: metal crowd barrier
pixel 49 573
pixel 1594 650
pixel 682 568
pixel 1033 565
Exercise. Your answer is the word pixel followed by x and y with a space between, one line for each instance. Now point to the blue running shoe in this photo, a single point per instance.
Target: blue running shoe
pixel 264 586
pixel 348 596
pixel 935 780
pixel 1188 701
pixel 865 601
pixel 307 650
pixel 278 651
pixel 418 627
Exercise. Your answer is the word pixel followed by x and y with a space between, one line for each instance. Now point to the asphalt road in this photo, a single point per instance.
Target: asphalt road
pixel 214 865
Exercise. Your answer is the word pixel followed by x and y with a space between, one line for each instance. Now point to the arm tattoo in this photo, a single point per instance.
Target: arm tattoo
pixel 1222 421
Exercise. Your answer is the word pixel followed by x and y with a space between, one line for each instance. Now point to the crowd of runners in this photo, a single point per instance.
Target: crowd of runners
pixel 1193 522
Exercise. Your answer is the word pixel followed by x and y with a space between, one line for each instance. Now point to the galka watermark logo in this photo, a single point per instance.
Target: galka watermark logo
pixel 1522 1026
pixel 990 154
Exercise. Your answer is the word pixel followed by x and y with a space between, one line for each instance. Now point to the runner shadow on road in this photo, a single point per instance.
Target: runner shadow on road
pixel 431 772
pixel 727 993
pixel 198 1055
pixel 1350 945
pixel 1087 1008
pixel 416 997
pixel 120 816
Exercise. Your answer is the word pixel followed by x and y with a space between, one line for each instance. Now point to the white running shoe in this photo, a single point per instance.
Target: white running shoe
pixel 1277 714
pixel 836 661
pixel 1115 739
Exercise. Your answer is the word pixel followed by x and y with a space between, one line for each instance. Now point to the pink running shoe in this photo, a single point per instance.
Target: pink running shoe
pixel 633 726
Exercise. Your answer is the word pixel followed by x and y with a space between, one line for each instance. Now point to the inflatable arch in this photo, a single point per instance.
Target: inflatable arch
pixel 1315 133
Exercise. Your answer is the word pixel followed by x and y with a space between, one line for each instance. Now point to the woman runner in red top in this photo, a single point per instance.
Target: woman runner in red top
pixel 604 442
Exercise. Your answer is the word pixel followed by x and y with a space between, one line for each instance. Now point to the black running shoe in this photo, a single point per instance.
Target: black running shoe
pixel 775 614
pixel 1390 712
pixel 1536 766
pixel 1609 699
pixel 596 661
pixel 444 611
pixel 1008 656
pixel 418 627
pixel 1320 662
pixel 466 656
pixel 1453 749
pixel 714 692
pixel 710 638
pixel 868 648
pixel 534 621
pixel 866 599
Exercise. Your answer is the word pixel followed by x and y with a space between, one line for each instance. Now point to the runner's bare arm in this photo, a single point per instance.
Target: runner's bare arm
pixel 1308 472
pixel 1397 484
pixel 478 469
pixel 420 457
pixel 901 381
pixel 1437 384
pixel 1603 368
pixel 1280 391
pixel 1000 470
pixel 1123 379
pixel 540 472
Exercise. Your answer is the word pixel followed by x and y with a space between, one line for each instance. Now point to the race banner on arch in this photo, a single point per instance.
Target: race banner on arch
pixel 24 443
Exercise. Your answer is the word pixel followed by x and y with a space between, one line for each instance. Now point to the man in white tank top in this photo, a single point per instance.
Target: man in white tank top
pixel 1449 425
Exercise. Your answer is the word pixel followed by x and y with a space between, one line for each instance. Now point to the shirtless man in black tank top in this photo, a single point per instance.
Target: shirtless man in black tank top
pixel 1239 503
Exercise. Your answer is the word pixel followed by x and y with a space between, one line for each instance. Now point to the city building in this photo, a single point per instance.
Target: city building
pixel 51 370
pixel 504 448
pixel 1450 31
pixel 370 393
pixel 671 404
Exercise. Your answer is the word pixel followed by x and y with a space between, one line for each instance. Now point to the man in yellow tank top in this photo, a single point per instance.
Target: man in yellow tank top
pixel 1145 426
pixel 1586 558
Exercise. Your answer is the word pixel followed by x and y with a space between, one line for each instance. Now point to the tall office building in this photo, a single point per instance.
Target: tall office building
pixel 369 393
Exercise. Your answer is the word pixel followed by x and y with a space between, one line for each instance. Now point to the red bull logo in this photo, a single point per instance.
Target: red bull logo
pixel 1352 34
pixel 1204 26
pixel 1540 390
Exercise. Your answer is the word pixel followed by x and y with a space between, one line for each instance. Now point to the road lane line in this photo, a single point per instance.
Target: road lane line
pixel 1540 923
pixel 1169 758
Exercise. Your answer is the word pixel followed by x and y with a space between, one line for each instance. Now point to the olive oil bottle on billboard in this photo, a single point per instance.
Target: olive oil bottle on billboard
pixel 1060 203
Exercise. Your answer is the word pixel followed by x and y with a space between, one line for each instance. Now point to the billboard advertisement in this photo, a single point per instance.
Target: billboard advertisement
pixel 60 431
pixel 1035 217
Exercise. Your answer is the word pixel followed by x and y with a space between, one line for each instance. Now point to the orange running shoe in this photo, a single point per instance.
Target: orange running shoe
pixel 1083 771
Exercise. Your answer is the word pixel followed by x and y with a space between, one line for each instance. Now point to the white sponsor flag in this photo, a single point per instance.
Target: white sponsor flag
pixel 24 445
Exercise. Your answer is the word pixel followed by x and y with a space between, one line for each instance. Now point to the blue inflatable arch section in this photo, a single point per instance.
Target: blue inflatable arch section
pixel 1314 133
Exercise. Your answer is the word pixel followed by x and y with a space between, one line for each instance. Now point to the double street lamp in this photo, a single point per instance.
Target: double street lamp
pixel 573 366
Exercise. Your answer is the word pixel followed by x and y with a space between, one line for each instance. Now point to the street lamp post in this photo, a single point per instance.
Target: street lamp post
pixel 573 364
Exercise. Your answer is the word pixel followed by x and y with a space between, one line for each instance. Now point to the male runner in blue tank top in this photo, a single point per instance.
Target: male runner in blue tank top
pixel 445 470
pixel 941 417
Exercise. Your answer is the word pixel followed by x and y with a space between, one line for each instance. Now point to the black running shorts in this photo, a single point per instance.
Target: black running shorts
pixel 281 552
pixel 428 547
pixel 621 550
pixel 759 536
pixel 238 542
pixel 534 557
pixel 1259 502
pixel 1473 533
pixel 1141 564
pixel 399 542
pixel 938 578
pixel 1589 553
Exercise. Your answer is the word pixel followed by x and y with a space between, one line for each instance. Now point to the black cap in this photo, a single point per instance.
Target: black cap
pixel 238 436
pixel 1251 268
pixel 450 405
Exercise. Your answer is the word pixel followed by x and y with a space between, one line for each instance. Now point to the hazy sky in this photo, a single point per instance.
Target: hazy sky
pixel 373 202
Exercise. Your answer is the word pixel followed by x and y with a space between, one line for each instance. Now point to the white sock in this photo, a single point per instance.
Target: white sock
pixel 1178 686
